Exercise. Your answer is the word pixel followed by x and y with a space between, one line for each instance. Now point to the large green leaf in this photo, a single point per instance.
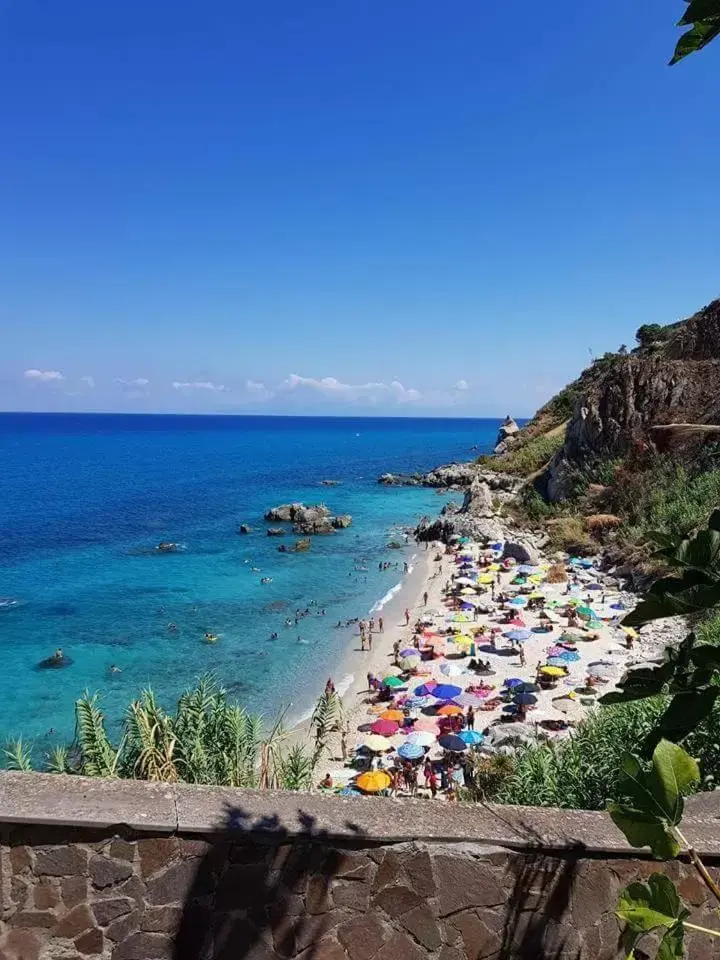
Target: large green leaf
pixel 679 596
pixel 700 10
pixel 644 830
pixel 654 905
pixel 695 39
pixel 685 712
pixel 702 553
pixel 672 775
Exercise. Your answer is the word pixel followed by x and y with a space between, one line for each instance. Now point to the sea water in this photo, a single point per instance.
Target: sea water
pixel 85 500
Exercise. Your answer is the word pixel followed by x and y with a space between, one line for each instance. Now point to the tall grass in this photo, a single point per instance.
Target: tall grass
pixel 666 497
pixel 527 457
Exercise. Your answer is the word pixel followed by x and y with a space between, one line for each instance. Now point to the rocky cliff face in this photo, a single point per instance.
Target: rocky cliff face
pixel 677 381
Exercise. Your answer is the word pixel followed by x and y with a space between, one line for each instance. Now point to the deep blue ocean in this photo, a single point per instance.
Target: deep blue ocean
pixel 85 499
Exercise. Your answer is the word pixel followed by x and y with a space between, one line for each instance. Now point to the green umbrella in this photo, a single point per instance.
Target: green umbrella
pixel 587 613
pixel 394 682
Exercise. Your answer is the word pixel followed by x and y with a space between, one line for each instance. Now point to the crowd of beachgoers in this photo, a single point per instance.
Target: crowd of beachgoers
pixel 493 652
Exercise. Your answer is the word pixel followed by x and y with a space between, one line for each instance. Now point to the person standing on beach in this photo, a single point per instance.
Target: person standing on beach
pixel 470 719
pixel 369 641
pixel 381 625
pixel 521 654
pixel 372 626
pixel 425 598
pixel 407 617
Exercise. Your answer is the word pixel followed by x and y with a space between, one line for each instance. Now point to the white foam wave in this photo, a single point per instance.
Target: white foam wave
pixel 344 685
pixel 386 599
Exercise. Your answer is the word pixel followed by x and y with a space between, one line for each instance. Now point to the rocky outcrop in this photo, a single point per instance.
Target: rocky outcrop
pixel 276 532
pixel 244 528
pixel 675 382
pixel 300 546
pixel 506 435
pixel 453 476
pixel 478 500
pixel 475 518
pixel 521 550
pixel 308 520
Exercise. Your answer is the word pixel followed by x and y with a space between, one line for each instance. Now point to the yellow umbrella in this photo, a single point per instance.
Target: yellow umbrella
pixel 485 578
pixel 630 632
pixel 462 641
pixel 536 577
pixel 397 715
pixel 376 743
pixel 373 782
pixel 494 567
pixel 536 595
pixel 552 671
pixel 461 618
pixel 467 590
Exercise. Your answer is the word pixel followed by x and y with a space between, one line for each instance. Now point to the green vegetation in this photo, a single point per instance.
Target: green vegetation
pixel 667 497
pixel 703 18
pixel 527 457
pixel 207 740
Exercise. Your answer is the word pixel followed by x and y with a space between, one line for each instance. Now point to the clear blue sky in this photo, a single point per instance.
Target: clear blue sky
pixel 330 206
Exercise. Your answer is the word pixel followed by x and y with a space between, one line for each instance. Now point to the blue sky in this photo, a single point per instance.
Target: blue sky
pixel 328 207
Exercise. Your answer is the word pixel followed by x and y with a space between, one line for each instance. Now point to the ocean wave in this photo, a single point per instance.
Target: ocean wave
pixel 386 599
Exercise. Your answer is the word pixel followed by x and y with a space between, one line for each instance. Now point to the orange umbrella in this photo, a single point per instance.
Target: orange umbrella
pixel 397 715
pixel 373 782
pixel 449 710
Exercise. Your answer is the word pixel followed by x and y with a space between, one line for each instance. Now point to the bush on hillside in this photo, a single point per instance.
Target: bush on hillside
pixel 527 458
pixel 569 534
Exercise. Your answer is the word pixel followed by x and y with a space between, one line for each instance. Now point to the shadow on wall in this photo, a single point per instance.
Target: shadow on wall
pixel 265 898
pixel 262 893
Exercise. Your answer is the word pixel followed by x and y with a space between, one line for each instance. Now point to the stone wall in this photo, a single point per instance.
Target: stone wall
pixel 134 871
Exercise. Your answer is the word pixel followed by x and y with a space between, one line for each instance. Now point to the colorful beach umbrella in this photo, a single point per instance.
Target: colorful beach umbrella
pixel 394 683
pixel 556 662
pixel 526 687
pixel 425 689
pixel 445 691
pixel 449 710
pixel 452 743
pixel 376 744
pixel 587 613
pixel 423 738
pixel 550 671
pixel 410 751
pixel 409 652
pixel 384 728
pixel 409 663
pixel 373 781
pixel 485 578
pixel 461 618
pixel 525 699
pixel 395 715
pixel 511 682
pixel 471 737
pixel 518 636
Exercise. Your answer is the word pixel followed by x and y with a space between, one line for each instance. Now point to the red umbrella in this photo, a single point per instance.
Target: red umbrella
pixel 385 728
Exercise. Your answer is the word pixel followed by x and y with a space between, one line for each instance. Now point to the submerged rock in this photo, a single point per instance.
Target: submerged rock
pixel 276 532
pixel 167 546
pixel 342 521
pixel 244 528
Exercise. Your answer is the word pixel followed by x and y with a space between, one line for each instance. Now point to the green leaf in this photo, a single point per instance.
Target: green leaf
pixel 700 10
pixel 714 521
pixel 701 554
pixel 641 683
pixel 673 773
pixel 680 595
pixel 642 829
pixel 695 39
pixel 654 905
pixel 685 712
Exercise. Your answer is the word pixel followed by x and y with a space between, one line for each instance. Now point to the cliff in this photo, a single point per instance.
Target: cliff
pixel 667 389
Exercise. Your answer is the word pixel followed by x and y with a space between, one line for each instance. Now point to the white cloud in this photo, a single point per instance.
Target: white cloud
pixel 254 386
pixel 43 376
pixel 461 385
pixel 333 389
pixel 88 381
pixel 199 385
pixel 137 382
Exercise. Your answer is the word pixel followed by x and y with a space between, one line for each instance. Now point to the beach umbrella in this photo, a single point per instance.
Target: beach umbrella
pixel 601 671
pixel 511 682
pixel 425 689
pixel 630 632
pixel 409 652
pixel 556 662
pixel 468 591
pixel 527 568
pixel 468 605
pixel 550 671
pixel 394 683
pixel 471 737
pixel 618 606
pixel 417 703
pixel 452 669
pixel 469 700
pixel 449 710
pixel 445 691
pixel 587 613
pixel 373 782
pixel 376 744
pixel 410 751
pixel 568 706
pixel 391 671
pixel 595 586
pixel 395 715
pixel 518 602
pixel 485 578
pixel 461 618
pixel 452 743
pixel 422 738
pixel 409 663
pixel 464 581
pixel 570 656
pixel 384 728
pixel 526 687
pixel 525 699
pixel 518 636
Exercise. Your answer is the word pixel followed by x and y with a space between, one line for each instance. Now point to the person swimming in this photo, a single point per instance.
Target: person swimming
pixel 114 668
pixel 211 638
pixel 266 580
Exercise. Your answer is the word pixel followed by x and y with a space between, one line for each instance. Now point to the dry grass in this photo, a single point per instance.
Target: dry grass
pixel 600 523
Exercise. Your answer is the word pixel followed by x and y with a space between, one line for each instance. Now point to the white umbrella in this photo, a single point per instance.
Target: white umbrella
pixel 422 738
pixel 451 669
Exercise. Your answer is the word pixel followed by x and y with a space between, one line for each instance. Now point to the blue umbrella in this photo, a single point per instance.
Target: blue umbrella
pixel 513 682
pixel 471 737
pixel 415 703
pixel 526 568
pixel 518 602
pixel 525 699
pixel 410 751
pixel 424 690
pixel 556 662
pixel 444 691
pixel 586 564
pixel 570 656
pixel 595 586
pixel 452 743
pixel 526 687
pixel 518 635
pixel 618 606
pixel 409 652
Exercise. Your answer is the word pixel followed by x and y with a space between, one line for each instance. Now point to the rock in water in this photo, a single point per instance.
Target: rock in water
pixel 342 521
pixel 244 528
pixel 276 532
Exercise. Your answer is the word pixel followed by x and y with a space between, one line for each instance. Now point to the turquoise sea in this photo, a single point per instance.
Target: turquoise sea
pixel 85 499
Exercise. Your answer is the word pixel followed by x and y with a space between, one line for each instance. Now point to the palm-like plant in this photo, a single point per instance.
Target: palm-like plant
pixel 58 760
pixel 328 718
pixel 150 740
pixel 98 757
pixel 18 755
pixel 297 769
